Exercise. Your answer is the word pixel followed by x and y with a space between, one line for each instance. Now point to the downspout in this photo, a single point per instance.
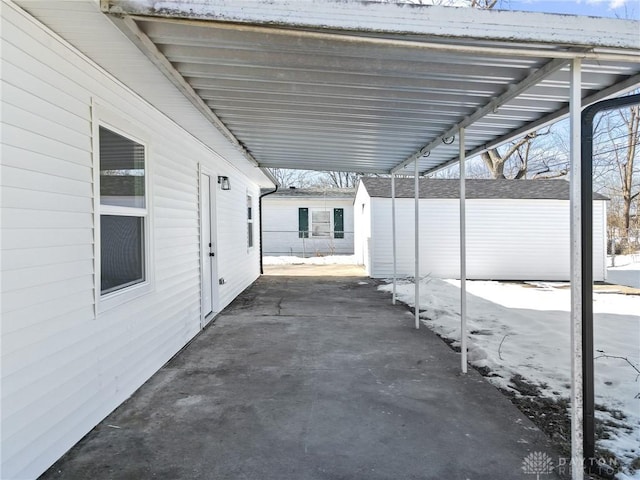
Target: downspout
pixel 586 181
pixel 260 220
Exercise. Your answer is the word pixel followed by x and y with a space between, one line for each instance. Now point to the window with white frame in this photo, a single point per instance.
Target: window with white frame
pixel 249 221
pixel 321 223
pixel 123 211
pixel 325 223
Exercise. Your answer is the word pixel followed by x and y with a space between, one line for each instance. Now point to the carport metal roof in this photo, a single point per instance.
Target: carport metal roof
pixel 370 87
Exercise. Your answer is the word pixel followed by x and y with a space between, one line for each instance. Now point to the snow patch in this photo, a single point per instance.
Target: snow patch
pixel 524 329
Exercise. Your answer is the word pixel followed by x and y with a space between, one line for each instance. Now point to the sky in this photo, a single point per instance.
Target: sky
pixel 629 9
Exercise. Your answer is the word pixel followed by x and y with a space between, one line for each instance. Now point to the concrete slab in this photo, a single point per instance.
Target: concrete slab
pixel 309 270
pixel 311 378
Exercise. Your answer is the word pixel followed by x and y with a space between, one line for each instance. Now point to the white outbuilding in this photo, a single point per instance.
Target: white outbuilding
pixel 308 222
pixel 516 229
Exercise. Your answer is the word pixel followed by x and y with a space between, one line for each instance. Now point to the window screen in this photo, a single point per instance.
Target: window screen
pixel 122 211
pixel 122 252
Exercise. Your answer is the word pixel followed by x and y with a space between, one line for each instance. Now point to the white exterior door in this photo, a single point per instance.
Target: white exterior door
pixel 208 248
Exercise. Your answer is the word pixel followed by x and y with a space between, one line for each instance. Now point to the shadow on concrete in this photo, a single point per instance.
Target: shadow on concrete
pixel 311 378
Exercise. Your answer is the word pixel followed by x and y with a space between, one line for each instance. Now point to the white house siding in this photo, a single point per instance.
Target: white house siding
pixel 63 367
pixel 238 264
pixel 506 239
pixel 362 229
pixel 280 227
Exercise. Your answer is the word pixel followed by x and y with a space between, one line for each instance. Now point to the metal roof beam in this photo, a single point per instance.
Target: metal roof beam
pixel 345 92
pixel 326 167
pixel 375 104
pixel 418 66
pixel 620 88
pixel 129 27
pixel 511 93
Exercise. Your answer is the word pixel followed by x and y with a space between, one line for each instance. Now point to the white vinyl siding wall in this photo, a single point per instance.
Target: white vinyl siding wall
pixel 506 239
pixel 362 228
pixel 280 227
pixel 63 368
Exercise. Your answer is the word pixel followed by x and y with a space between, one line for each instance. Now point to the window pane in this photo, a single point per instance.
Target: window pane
pixel 320 216
pixel 338 223
pixel 303 223
pixel 122 170
pixel 122 252
pixel 321 223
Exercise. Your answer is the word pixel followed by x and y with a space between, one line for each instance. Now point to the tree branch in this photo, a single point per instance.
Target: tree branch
pixel 604 355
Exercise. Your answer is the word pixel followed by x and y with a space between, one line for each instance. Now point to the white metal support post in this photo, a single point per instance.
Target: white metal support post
pixel 393 234
pixel 417 240
pixel 463 254
pixel 577 471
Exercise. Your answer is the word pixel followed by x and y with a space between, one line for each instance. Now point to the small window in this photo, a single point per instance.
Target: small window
pixel 123 212
pixel 321 223
pixel 249 221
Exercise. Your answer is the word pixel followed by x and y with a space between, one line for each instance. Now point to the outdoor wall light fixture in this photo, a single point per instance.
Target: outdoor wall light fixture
pixel 224 183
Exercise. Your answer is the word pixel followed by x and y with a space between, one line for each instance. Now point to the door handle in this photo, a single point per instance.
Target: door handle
pixel 211 254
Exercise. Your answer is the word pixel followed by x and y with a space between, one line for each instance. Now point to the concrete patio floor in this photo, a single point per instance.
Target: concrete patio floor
pixel 311 378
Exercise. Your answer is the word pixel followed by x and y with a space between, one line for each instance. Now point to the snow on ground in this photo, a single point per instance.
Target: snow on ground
pixel 524 329
pixel 624 261
pixel 328 260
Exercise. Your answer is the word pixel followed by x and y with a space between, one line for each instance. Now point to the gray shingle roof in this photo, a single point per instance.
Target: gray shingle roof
pixel 347 193
pixel 475 188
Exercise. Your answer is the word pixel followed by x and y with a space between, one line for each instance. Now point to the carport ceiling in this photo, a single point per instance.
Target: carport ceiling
pixel 370 87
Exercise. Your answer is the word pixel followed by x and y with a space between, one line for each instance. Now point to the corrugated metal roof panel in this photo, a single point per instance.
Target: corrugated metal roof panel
pixel 364 87
pixel 298 102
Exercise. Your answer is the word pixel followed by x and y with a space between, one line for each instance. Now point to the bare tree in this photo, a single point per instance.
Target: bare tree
pixel 339 179
pixel 518 154
pixel 292 178
pixel 307 178
pixel 616 135
pixel 625 162
pixel 484 4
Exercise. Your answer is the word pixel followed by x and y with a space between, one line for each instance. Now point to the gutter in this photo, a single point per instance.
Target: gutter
pixel 260 219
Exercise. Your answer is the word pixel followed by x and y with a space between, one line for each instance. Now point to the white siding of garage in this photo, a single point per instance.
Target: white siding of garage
pixel 280 227
pixel 510 239
pixel 362 226
pixel 64 368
